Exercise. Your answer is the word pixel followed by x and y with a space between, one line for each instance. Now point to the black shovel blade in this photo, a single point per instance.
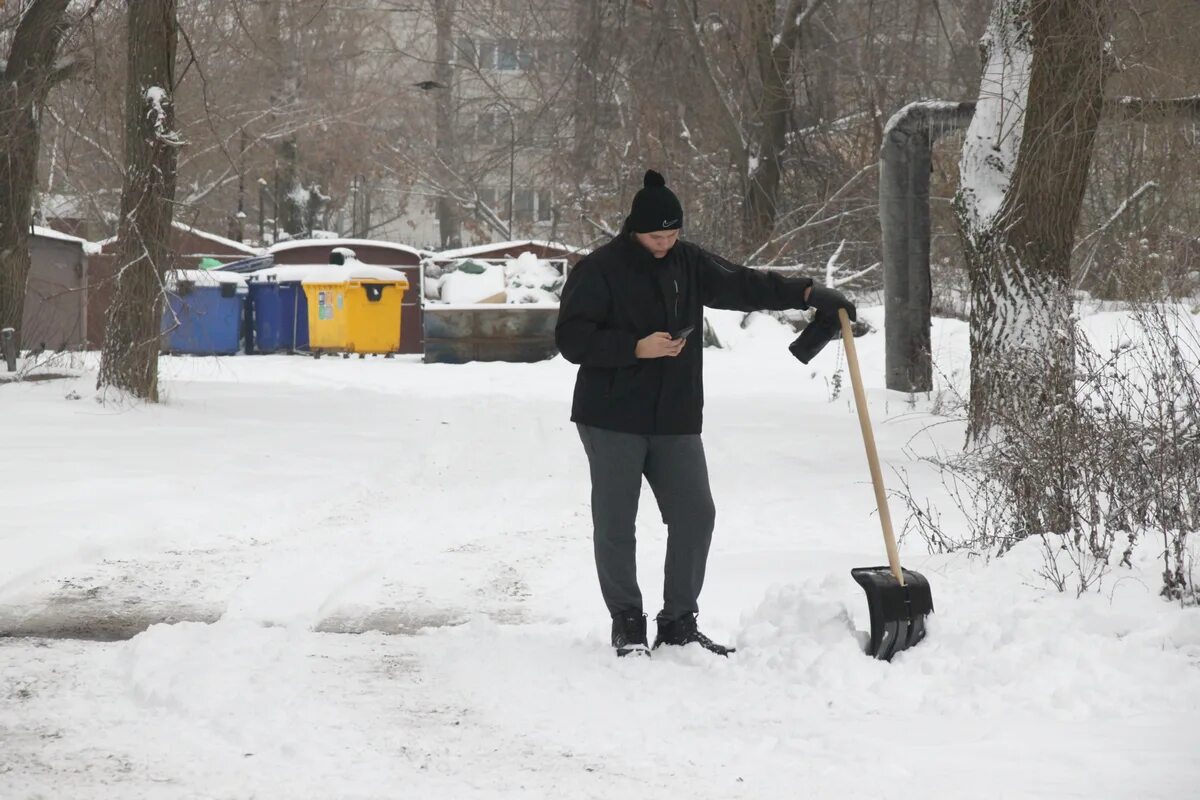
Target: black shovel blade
pixel 897 612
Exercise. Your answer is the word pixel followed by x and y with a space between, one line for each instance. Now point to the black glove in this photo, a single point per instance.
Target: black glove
pixel 815 336
pixel 828 301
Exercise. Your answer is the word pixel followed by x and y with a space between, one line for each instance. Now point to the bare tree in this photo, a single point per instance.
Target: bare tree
pixel 129 360
pixel 32 68
pixel 775 39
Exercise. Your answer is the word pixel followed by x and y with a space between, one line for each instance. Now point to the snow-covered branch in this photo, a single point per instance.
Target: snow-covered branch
pixel 793 20
pixel 831 264
pixel 855 276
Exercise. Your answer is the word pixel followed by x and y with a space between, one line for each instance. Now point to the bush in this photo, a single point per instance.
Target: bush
pixel 1117 464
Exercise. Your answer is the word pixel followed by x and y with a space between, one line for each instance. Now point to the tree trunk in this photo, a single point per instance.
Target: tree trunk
pixel 129 360
pixel 589 38
pixel 449 222
pixel 24 84
pixel 775 108
pixel 291 208
pixel 1024 168
pixel 762 162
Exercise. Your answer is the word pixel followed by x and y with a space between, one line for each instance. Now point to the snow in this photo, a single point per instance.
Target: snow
pixel 492 247
pixel 920 106
pixel 158 99
pixel 203 277
pixel 89 248
pixel 353 269
pixel 460 287
pixel 993 138
pixel 378 581
pixel 212 237
pixel 526 280
pixel 292 244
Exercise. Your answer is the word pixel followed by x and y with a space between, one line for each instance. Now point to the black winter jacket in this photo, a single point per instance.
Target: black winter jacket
pixel 621 293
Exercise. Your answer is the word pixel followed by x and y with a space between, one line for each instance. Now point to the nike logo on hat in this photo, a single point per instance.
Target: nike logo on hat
pixel 669 222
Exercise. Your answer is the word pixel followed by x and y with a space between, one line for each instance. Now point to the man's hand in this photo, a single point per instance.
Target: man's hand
pixel 659 345
pixel 828 301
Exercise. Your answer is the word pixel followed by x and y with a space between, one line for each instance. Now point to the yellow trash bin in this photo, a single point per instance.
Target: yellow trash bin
pixel 357 315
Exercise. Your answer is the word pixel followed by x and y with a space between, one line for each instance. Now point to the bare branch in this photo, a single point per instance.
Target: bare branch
pixel 831 264
pixel 793 23
pixel 739 147
pixel 1143 109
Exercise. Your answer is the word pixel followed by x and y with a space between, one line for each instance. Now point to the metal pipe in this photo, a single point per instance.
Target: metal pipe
pixel 8 341
pixel 905 160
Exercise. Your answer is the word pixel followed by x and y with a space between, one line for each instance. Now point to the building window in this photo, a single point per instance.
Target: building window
pixel 545 211
pixel 467 54
pixel 524 200
pixel 512 55
pixel 485 128
pixel 506 55
pixel 552 57
pixel 526 55
pixel 487 54
pixel 536 128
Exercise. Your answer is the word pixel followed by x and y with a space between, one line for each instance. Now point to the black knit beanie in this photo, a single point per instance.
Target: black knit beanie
pixel 655 207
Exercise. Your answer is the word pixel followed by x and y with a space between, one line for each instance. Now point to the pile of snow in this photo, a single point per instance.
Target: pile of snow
pixel 531 280
pixel 470 282
pixel 521 280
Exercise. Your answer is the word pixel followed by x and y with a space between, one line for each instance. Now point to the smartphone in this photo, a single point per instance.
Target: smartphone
pixel 683 334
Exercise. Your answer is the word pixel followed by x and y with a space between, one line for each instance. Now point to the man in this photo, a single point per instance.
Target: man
pixel 632 317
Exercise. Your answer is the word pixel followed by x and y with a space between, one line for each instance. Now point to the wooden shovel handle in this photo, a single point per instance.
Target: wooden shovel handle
pixel 864 421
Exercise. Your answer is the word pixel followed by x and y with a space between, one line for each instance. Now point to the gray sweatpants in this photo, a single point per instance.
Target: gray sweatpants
pixel 678 474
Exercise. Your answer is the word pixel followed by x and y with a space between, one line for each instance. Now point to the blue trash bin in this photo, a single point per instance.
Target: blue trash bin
pixel 202 318
pixel 279 316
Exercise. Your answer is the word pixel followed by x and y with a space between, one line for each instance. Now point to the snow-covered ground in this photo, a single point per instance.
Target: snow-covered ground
pixel 373 579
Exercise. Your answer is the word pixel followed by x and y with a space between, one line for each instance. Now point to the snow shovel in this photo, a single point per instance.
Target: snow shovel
pixel 898 599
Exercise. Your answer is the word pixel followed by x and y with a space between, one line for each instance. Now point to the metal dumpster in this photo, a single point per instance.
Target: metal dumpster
pixel 518 332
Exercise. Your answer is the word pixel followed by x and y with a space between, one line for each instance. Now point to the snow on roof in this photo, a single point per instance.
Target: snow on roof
pixel 212 237
pixel 89 248
pixel 474 250
pixel 292 244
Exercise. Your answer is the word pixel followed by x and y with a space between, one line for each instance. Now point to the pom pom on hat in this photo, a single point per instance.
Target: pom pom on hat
pixel 653 179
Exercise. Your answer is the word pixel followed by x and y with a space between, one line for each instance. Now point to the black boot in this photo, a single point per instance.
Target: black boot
pixel 683 630
pixel 629 633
